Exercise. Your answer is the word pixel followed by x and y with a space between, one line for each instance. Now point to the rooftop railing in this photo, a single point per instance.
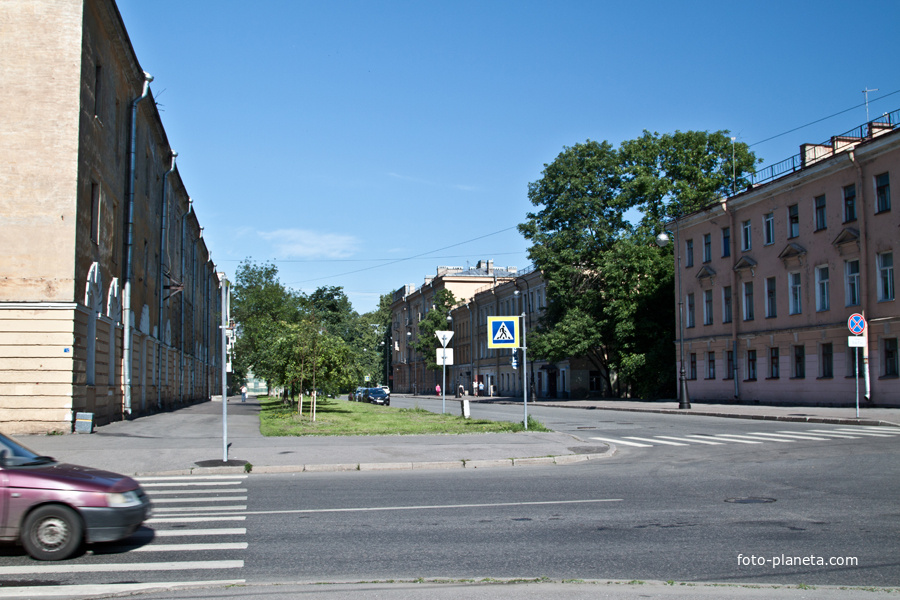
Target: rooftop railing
pixel 813 153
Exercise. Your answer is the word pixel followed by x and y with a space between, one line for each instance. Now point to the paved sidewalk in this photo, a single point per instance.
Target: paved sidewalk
pixel 190 440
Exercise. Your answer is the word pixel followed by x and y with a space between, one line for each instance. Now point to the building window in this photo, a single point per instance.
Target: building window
pixel 794 281
pixel 707 307
pixel 851 282
pixel 98 90
pixel 726 304
pixel 774 371
pixel 707 247
pixel 710 365
pixel 751 365
pixel 821 221
pixel 689 253
pixel 690 311
pixel 748 301
pixel 95 212
pixel 822 297
pixel 882 193
pixel 692 372
pixel 771 300
pixel 726 241
pixel 729 364
pixel 745 236
pixel 849 203
pixel 769 229
pixel 891 367
pixel 793 221
pixel 885 276
pixel 799 362
pixel 826 361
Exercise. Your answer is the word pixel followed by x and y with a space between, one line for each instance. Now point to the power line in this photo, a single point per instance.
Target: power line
pixel 399 260
pixel 823 119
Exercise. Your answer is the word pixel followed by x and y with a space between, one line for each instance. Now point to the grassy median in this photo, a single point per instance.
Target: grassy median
pixel 341 417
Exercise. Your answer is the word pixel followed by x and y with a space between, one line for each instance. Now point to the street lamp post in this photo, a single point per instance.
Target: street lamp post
pixel 684 400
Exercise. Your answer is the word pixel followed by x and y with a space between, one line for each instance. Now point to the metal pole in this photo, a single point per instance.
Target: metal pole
pixel 858 351
pixel 224 284
pixel 524 372
pixel 685 399
pixel 444 380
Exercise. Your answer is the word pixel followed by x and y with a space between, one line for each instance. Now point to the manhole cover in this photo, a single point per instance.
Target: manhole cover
pixel 750 500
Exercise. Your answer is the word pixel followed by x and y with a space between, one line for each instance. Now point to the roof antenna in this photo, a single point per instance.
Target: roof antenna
pixel 866 94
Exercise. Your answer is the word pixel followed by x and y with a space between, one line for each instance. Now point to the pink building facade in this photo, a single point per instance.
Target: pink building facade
pixel 770 277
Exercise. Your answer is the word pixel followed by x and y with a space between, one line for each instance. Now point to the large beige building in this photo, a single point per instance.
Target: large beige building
pixel 481 292
pixel 108 299
pixel 770 277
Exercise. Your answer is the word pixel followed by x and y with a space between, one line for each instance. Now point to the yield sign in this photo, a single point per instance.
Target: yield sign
pixel 444 337
pixel 857 324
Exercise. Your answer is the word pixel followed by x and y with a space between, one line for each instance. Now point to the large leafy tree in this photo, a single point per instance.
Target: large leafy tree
pixel 426 341
pixel 609 287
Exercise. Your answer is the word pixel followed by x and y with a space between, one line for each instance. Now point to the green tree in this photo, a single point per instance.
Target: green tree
pixel 609 287
pixel 426 341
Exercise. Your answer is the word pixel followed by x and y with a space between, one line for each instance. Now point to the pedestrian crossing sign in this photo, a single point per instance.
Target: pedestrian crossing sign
pixel 503 332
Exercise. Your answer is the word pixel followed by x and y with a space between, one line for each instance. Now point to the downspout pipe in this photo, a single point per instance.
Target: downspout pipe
pixel 187 213
pixel 160 279
pixel 863 267
pixel 129 249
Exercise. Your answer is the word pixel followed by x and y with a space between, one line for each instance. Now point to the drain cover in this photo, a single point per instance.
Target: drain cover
pixel 750 500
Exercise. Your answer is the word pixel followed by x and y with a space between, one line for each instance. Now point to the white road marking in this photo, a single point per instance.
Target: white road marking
pixel 823 431
pixel 200 519
pixel 622 442
pixel 655 441
pixel 867 432
pixel 192 500
pixel 70 591
pixel 196 532
pixel 753 437
pixel 174 509
pixel 721 439
pixel 122 567
pixel 187 478
pixel 694 441
pixel 189 547
pixel 795 436
pixel 155 493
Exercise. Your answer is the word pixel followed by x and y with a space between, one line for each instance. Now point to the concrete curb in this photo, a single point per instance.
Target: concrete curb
pixel 562 460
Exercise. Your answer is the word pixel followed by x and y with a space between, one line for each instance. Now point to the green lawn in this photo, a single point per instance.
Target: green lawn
pixel 341 417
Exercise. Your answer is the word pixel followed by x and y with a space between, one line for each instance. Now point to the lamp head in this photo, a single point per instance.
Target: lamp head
pixel 662 240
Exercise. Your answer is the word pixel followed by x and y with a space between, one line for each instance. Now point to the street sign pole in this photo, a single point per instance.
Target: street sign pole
pixel 524 373
pixel 444 337
pixel 857 325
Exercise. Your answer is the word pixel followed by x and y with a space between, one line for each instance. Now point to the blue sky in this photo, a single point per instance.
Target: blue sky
pixel 362 143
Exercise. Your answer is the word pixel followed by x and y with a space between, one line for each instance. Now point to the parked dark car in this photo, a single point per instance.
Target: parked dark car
pixel 52 508
pixel 377 395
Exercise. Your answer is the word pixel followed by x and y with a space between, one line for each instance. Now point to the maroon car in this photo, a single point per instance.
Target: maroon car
pixel 52 508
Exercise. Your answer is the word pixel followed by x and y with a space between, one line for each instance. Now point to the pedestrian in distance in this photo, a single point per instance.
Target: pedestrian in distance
pixel 243 393
pixel 481 388
pixel 437 389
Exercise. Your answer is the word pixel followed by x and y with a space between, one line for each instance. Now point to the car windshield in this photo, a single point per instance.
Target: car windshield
pixel 14 454
pixel 377 392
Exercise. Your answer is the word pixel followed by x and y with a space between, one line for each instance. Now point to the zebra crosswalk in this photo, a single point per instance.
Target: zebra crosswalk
pixel 757 437
pixel 200 516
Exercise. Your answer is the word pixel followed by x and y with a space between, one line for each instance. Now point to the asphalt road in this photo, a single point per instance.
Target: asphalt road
pixel 684 499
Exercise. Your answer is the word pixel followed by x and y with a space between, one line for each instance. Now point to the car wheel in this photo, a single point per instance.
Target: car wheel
pixel 52 532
